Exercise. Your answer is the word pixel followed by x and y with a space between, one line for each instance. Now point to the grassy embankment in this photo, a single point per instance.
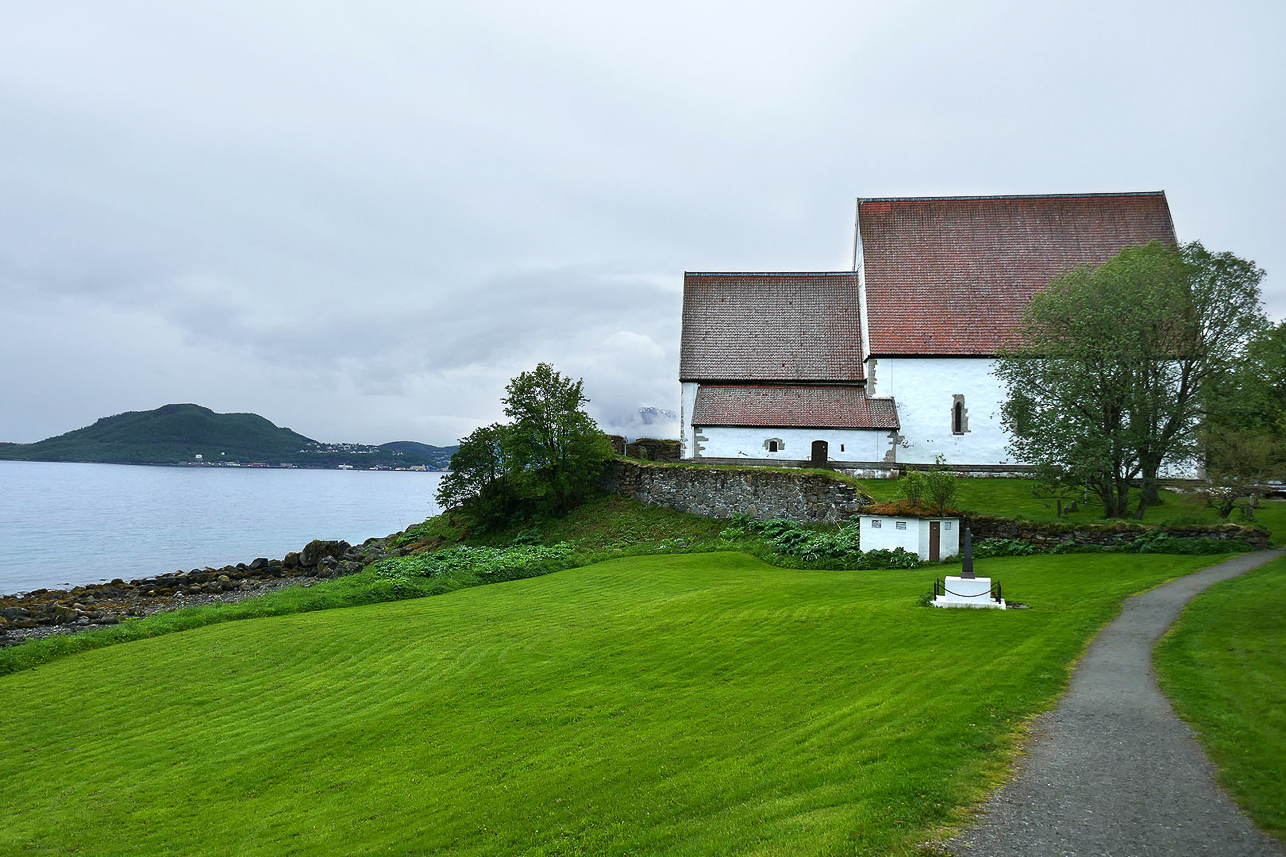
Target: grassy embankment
pixel 683 704
pixel 1017 498
pixel 1224 666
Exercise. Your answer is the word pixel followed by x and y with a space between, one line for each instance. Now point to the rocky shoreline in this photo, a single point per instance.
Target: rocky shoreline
pixel 45 612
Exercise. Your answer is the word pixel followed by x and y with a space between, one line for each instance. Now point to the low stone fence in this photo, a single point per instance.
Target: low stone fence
pixel 721 492
pixel 1049 533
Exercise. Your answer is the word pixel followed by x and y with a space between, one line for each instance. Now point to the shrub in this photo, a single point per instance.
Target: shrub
pixel 1159 541
pixel 839 548
pixel 896 558
pixel 1003 547
pixel 511 563
pixel 941 489
pixel 912 487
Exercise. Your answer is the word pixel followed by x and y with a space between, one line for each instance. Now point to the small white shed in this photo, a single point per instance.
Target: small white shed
pixel 929 538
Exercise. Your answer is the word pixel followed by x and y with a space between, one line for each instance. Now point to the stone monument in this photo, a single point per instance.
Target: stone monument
pixel 967 590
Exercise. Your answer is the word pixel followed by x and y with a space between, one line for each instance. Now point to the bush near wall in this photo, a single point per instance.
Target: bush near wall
pixel 1048 534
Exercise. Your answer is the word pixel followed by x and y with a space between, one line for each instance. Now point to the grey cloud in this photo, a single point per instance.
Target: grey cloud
pixel 364 220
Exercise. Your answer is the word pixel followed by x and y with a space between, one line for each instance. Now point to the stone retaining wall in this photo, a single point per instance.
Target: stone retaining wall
pixel 1050 533
pixel 723 492
pixel 810 497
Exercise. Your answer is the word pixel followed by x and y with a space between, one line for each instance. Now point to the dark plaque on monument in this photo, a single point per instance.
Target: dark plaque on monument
pixel 966 564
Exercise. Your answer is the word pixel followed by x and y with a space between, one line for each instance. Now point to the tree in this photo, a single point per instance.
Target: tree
pixel 1105 386
pixel 1242 434
pixel 477 475
pixel 1238 465
pixel 556 450
pixel 544 462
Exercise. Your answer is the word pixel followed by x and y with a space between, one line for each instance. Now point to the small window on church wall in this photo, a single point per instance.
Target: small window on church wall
pixel 959 415
pixel 875 525
pixel 841 447
pixel 901 525
pixel 772 446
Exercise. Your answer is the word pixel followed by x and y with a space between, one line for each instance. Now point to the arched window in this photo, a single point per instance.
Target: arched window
pixel 959 415
pixel 772 446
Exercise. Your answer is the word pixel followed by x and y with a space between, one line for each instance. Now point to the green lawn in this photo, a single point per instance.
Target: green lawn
pixel 1224 666
pixel 1014 498
pixel 686 704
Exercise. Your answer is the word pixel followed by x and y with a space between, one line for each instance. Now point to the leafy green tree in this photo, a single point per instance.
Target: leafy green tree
pixel 911 487
pixel 941 487
pixel 1106 385
pixel 477 475
pixel 1243 435
pixel 1238 464
pixel 555 449
pixel 545 461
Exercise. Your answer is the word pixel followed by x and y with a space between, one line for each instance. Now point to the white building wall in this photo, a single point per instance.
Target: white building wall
pixel 879 532
pixel 793 443
pixel 687 401
pixel 925 389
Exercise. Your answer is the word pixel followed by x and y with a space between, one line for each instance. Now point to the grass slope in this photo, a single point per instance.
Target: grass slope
pixel 1224 666
pixel 685 704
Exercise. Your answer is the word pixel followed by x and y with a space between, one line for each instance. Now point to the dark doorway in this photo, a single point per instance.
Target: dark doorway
pixel 821 452
pixel 935 541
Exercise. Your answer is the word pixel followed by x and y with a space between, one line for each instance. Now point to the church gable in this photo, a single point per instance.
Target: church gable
pixel 771 327
pixel 953 275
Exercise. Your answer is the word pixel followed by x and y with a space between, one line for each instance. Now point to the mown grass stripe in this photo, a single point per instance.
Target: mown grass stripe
pixel 689 704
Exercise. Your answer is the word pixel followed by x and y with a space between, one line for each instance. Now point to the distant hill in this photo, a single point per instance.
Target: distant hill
pixel 178 434
pixel 438 456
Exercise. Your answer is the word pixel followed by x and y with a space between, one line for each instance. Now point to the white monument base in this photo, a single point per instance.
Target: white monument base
pixel 965 592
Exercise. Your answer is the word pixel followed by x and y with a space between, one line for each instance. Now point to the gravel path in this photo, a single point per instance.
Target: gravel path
pixel 1112 770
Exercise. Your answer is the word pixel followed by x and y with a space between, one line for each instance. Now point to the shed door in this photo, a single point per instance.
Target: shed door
pixel 935 541
pixel 821 452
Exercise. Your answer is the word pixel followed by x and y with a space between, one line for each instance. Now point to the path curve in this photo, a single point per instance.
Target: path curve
pixel 1112 772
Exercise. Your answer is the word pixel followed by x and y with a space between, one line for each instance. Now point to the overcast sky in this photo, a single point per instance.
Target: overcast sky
pixel 361 219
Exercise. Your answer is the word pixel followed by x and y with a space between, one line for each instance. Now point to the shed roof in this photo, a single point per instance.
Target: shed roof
pixel 771 327
pixel 791 407
pixel 953 275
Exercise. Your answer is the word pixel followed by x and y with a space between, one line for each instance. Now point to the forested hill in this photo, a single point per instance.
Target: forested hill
pixel 176 434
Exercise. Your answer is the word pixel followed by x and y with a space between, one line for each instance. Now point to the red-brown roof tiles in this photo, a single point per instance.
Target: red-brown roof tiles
pixel 953 275
pixel 792 407
pixel 771 327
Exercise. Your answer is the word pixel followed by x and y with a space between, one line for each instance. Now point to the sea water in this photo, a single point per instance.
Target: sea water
pixel 67 524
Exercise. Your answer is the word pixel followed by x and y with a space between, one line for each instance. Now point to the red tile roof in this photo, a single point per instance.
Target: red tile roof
pixel 792 407
pixel 771 327
pixel 953 275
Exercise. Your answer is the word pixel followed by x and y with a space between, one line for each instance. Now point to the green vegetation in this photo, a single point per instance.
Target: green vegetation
pixel 176 434
pixel 1243 435
pixel 1224 666
pixel 1114 364
pixel 682 704
pixel 545 462
pixel 1029 499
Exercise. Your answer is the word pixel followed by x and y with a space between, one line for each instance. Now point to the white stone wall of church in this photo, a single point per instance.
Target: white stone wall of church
pixel 687 401
pixel 794 443
pixel 924 388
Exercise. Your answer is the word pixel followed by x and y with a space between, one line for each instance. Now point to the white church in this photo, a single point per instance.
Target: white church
pixel 889 364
